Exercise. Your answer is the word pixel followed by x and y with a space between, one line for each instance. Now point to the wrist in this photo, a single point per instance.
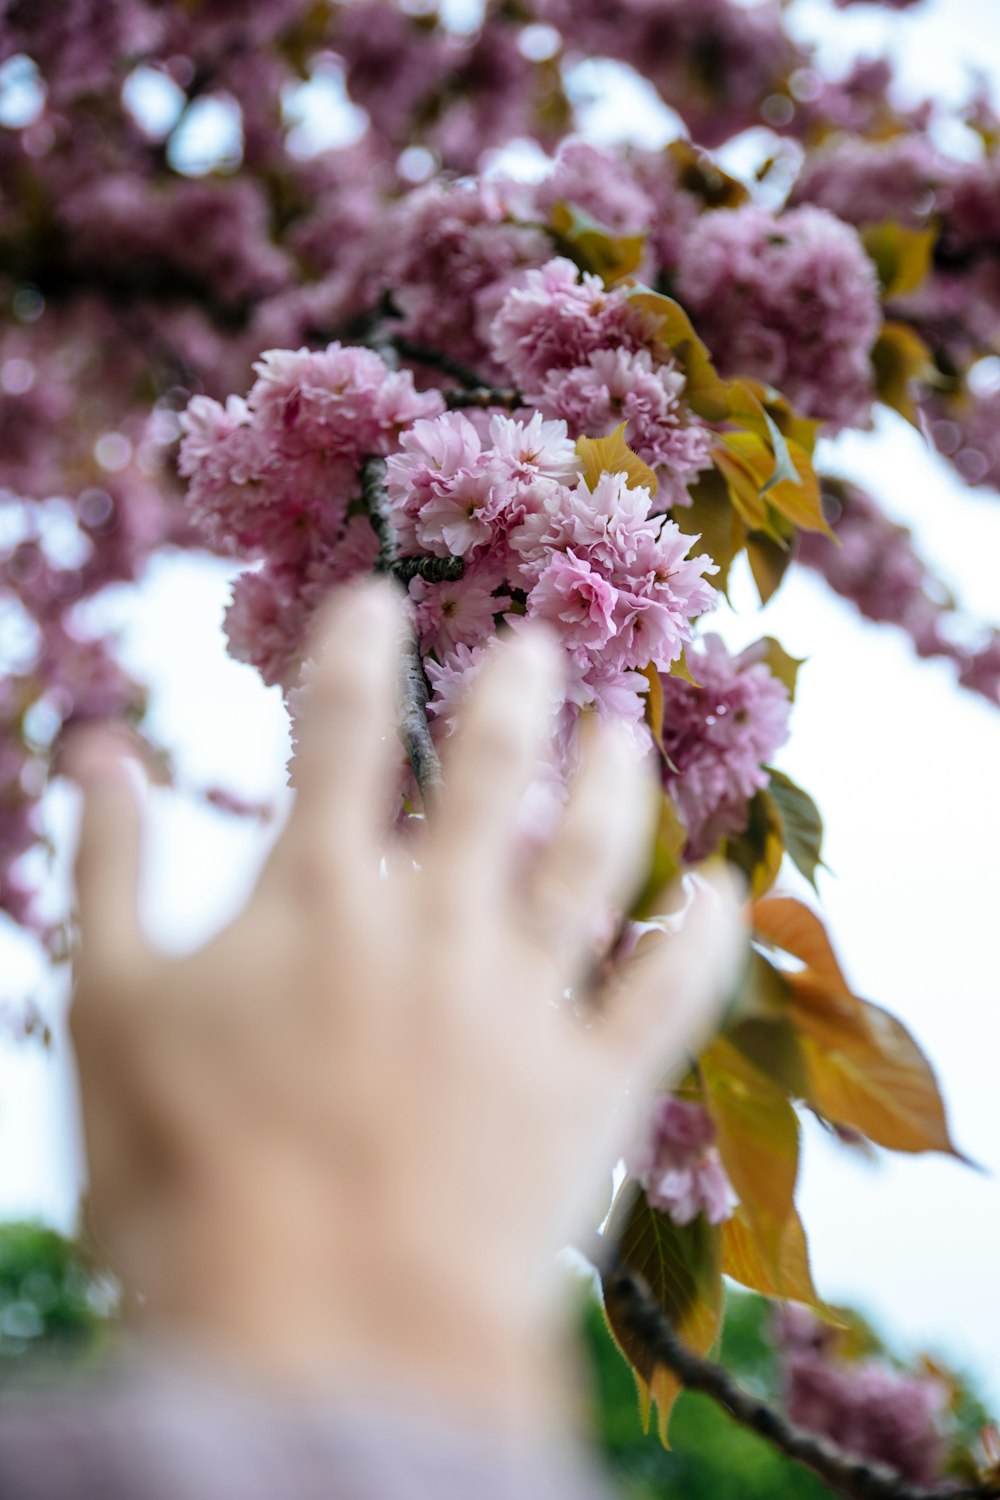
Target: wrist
pixel 374 1314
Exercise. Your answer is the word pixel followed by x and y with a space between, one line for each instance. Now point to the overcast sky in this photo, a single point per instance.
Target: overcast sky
pixel 901 762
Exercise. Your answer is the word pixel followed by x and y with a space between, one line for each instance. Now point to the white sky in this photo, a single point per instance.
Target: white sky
pixel 902 764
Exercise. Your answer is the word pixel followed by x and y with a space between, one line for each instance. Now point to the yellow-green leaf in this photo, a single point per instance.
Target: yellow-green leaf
pixel 609 255
pixel 902 255
pixel 774 1047
pixel 799 429
pixel 799 499
pixel 654 705
pixel 671 328
pixel 745 462
pixel 901 360
pixel 680 668
pixel 743 1262
pixel 785 464
pixel 698 173
pixel 682 1266
pixel 757 1133
pixel 612 455
pixel 779 662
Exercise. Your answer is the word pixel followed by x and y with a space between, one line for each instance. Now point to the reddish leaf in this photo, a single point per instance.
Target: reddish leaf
pixel 791 926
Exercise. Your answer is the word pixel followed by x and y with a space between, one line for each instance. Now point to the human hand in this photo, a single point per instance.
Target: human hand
pixel 350 1134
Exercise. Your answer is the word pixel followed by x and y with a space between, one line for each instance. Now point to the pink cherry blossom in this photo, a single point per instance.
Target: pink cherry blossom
pixel 718 737
pixel 678 1165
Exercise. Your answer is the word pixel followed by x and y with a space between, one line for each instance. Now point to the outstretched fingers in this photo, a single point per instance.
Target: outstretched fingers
pixel 592 863
pixel 347 761
pixel 495 753
pixel 107 858
pixel 671 994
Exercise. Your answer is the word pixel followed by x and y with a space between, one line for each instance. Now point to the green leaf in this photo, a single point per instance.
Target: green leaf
pixel 594 245
pixel 612 455
pixel 775 1048
pixel 901 360
pixel 682 1266
pixel 801 824
pixel 713 521
pixel 764 993
pixel 769 561
pixel 759 849
pixel 902 255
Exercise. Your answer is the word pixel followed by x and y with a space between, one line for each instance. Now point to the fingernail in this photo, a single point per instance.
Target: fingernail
pixel 535 651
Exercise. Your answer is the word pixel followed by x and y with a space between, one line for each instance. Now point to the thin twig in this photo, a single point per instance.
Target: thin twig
pixel 435 359
pixel 413 686
pixel 856 1478
pixel 484 397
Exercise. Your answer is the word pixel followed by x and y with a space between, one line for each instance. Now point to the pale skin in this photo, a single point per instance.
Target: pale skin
pixel 342 1144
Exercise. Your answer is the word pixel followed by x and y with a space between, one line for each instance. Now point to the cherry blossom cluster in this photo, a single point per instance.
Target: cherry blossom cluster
pixel 719 733
pixel 578 353
pixel 679 1166
pixel 272 477
pixel 789 299
pixel 58 672
pixel 967 433
pixel 865 1406
pixel 608 574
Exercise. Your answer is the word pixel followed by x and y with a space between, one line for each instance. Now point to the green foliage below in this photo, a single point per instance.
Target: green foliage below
pixel 52 1303
pixel 711 1457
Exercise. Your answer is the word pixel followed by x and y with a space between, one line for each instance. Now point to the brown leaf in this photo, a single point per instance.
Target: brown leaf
pixel 866 1071
pixel 791 926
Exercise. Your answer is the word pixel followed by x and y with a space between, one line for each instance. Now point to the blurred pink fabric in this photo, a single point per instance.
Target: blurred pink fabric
pixel 155 1430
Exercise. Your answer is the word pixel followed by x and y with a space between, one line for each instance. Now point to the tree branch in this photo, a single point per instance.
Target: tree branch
pixel 414 690
pixel 856 1478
